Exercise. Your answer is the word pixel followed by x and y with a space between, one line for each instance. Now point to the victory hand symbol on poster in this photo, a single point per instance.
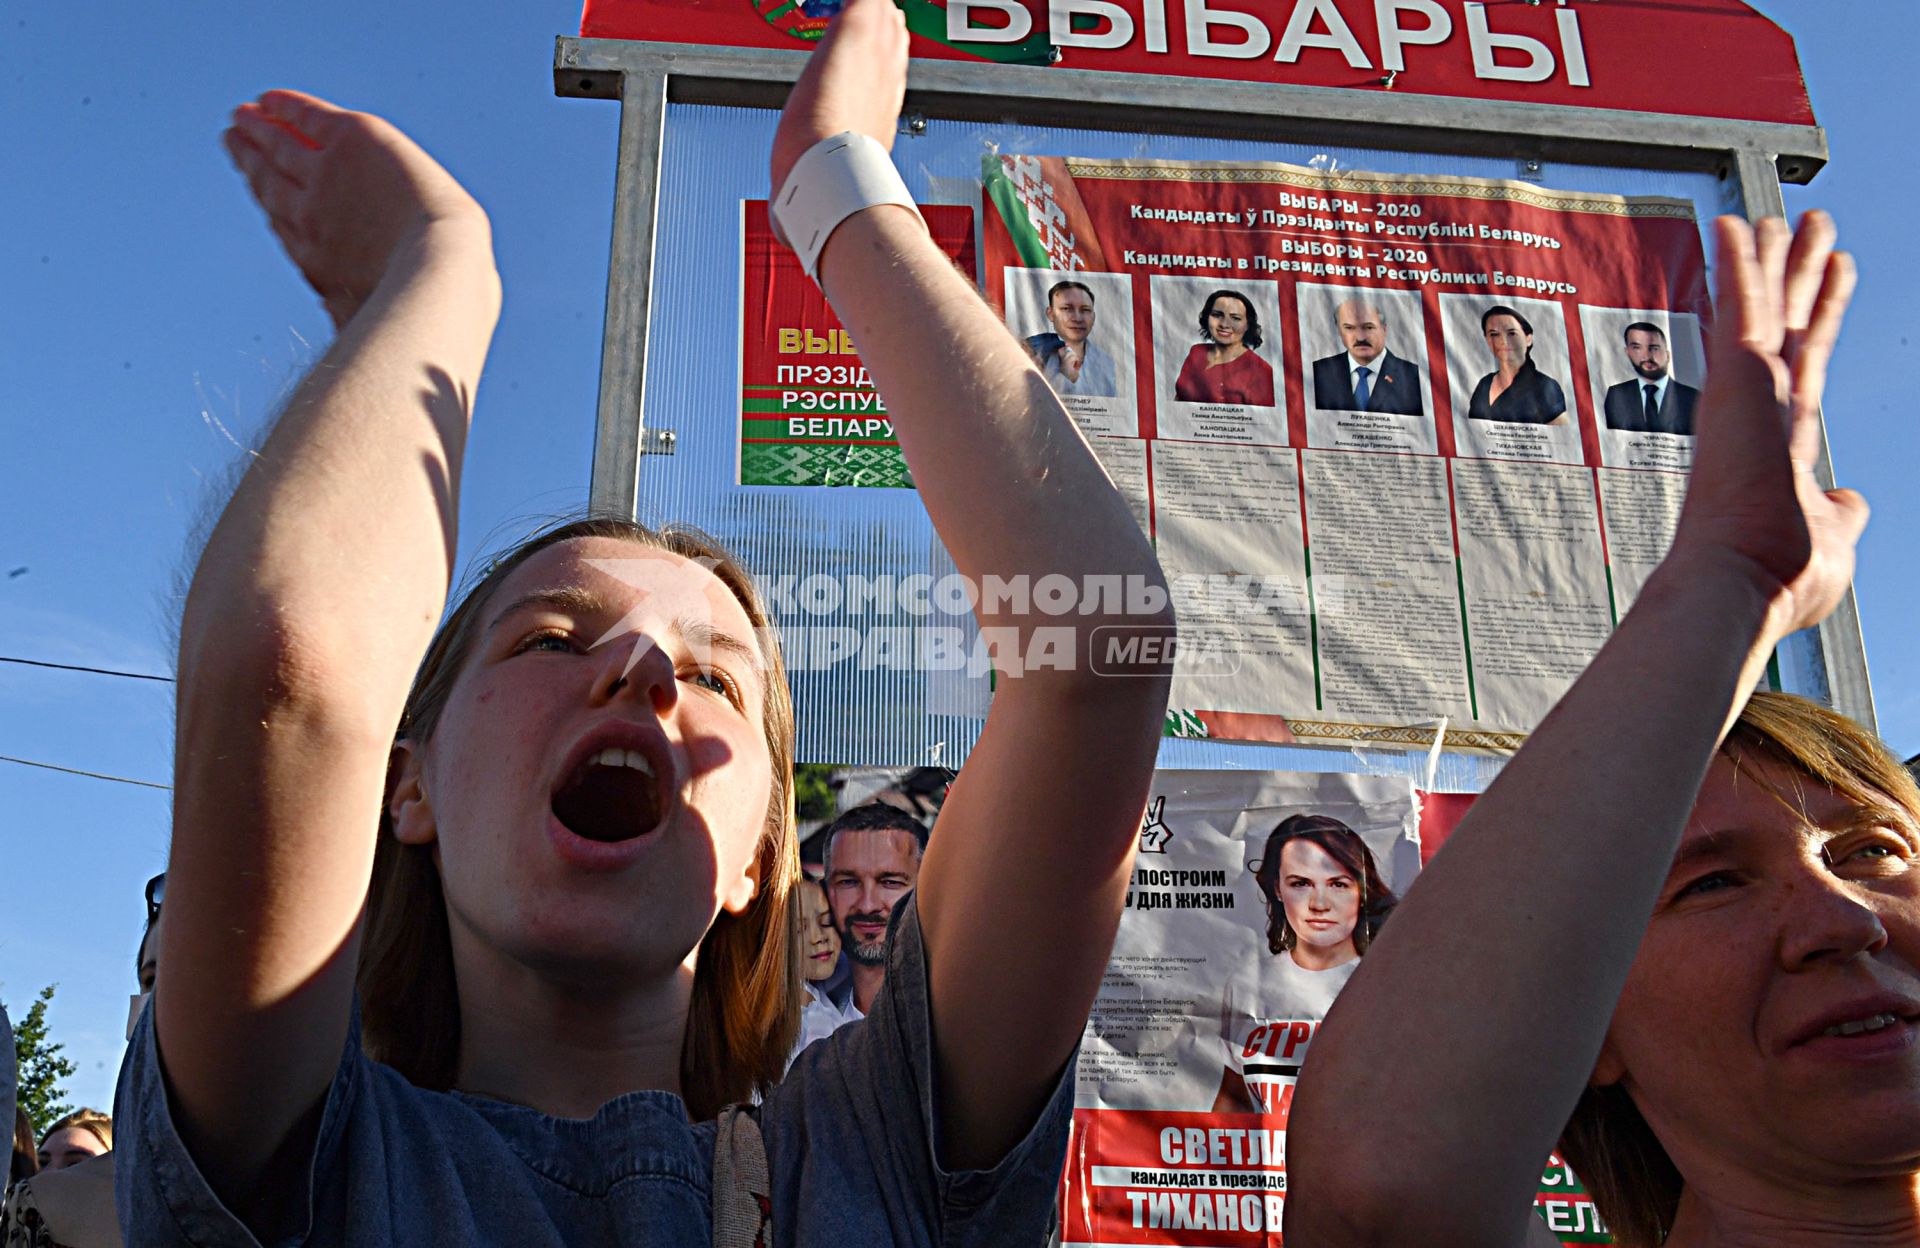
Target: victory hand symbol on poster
pixel 1154 833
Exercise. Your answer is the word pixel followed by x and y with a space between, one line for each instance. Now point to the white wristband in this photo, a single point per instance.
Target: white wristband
pixel 835 178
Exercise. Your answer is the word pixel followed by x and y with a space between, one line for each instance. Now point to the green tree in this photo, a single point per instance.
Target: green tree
pixel 812 792
pixel 41 1066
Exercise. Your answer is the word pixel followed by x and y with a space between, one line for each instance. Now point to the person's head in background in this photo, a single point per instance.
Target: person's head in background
pixel 1070 312
pixel 1647 350
pixel 146 960
pixel 873 860
pixel 1228 321
pixel 1509 337
pixel 818 936
pixel 1363 329
pixel 82 1134
pixel 24 1163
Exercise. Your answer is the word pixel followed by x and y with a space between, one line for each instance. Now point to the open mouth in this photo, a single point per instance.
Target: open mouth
pixel 612 796
pixel 1865 1026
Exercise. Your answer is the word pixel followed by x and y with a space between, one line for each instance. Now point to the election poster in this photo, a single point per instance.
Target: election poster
pixel 809 413
pixel 1407 446
pixel 1254 898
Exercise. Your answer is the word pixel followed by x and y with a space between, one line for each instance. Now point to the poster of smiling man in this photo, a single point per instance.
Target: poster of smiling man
pixel 1078 327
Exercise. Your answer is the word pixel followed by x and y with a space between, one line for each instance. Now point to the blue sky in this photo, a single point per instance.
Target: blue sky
pixel 150 324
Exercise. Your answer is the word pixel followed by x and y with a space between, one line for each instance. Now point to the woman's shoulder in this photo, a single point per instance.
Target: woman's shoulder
pixel 385 1146
pixel 1482 395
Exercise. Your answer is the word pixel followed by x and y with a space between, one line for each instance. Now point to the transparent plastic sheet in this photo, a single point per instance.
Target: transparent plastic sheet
pixel 881 715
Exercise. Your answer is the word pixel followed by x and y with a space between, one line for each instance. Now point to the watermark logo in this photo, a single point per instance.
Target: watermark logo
pixel 674 589
pixel 923 623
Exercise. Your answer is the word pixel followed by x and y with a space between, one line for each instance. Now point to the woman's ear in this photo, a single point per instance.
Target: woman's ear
pixel 743 888
pixel 408 806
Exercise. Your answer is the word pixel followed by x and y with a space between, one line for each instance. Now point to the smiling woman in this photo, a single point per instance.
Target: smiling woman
pixel 1223 367
pixel 1731 1043
pixel 1687 917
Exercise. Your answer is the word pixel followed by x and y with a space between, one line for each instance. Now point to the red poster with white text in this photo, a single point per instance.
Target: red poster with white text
pixel 1704 58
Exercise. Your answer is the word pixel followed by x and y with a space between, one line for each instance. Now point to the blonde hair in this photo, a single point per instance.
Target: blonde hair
pixel 1607 1142
pixel 99 1125
pixel 747 985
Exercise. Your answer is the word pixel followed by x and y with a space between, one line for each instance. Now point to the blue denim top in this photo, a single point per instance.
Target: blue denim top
pixel 850 1147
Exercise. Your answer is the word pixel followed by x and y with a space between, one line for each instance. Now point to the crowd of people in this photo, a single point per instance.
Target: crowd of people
pixel 495 930
pixel 59 1192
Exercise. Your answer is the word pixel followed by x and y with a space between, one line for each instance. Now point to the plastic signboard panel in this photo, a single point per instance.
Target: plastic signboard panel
pixel 879 712
pixel 1703 58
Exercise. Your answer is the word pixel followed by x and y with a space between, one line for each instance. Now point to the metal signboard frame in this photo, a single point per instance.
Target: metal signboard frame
pixel 1752 158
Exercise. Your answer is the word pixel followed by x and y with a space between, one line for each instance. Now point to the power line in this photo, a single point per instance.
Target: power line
pixel 97 671
pixel 91 775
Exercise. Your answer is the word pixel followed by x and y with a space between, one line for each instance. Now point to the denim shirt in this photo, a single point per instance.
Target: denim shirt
pixel 850 1148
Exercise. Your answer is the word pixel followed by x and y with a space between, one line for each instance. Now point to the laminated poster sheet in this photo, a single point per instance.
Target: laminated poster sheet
pixel 1408 447
pixel 1253 898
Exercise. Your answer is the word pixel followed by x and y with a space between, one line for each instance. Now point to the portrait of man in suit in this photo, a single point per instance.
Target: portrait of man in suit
pixel 1366 377
pixel 1653 402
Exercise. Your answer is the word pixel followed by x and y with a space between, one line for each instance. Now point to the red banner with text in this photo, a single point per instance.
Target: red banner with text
pixel 809 412
pixel 1705 58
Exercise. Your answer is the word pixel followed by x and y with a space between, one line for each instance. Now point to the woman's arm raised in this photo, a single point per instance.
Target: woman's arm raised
pixel 1478 1014
pixel 1021 890
pixel 310 608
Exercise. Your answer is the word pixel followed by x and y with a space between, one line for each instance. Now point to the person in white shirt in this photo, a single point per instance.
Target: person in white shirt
pixel 1067 357
pixel 829 1004
pixel 1325 901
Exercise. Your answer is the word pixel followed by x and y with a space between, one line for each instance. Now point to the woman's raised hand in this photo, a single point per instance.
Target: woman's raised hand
pixel 346 192
pixel 855 80
pixel 1753 504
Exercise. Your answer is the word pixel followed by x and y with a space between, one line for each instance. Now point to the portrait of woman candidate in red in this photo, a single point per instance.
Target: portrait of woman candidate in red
pixel 1223 366
pixel 1325 901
